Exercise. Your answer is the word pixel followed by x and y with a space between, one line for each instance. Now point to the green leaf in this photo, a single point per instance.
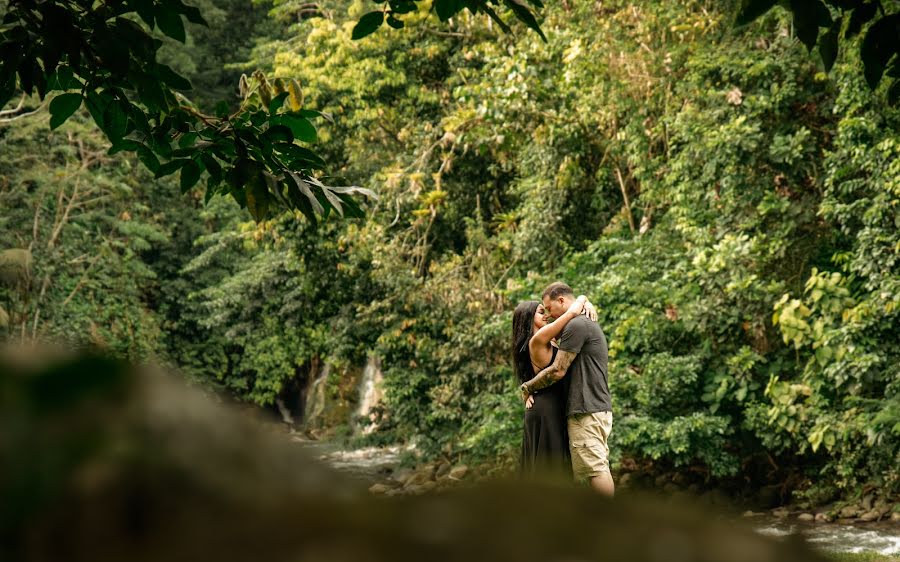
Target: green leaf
pixel 63 79
pixel 394 22
pixel 212 166
pixel 148 158
pixel 367 25
pixel 188 139
pixel 170 167
pixel 257 197
pixel 753 9
pixel 306 189
pixel 486 8
pixel 192 14
pixel 123 145
pixel 280 133
pixel 807 19
pixel 116 121
pixel 828 46
pixel 277 102
pixel 144 9
pixel 446 9
pixel 402 6
pixel 62 107
pixel 879 45
pixel 190 175
pixel 859 17
pixel 170 23
pixel 526 16
pixel 299 156
pixel 302 128
pixel 173 79
pixel 893 94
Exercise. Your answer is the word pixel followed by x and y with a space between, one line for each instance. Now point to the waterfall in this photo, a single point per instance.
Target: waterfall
pixel 315 397
pixel 370 392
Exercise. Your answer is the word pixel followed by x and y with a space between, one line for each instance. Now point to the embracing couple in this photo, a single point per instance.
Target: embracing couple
pixel 560 357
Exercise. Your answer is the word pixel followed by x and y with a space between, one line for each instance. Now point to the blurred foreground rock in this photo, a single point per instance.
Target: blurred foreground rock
pixel 100 462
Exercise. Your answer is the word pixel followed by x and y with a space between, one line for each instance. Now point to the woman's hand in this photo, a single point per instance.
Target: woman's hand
pixel 529 402
pixel 590 311
pixel 577 307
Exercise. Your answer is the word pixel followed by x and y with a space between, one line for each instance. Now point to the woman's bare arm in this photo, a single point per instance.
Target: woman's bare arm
pixel 543 336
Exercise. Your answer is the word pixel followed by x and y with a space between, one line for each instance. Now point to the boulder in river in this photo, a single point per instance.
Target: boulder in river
pixel 806 517
pixel 871 515
pixel 459 472
pixel 823 518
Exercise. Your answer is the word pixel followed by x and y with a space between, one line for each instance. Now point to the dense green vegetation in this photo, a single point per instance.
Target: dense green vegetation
pixel 730 207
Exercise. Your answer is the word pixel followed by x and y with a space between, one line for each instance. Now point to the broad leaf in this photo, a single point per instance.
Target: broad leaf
pixel 302 128
pixel 170 23
pixel 753 9
pixel 190 175
pixel 367 25
pixel 62 107
pixel 879 45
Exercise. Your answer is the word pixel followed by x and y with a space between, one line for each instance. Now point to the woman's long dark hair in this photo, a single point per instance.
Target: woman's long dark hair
pixel 522 330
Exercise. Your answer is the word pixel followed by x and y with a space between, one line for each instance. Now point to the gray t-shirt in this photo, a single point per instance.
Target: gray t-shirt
pixel 587 375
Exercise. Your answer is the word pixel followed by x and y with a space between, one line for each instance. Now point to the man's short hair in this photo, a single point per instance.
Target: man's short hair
pixel 557 289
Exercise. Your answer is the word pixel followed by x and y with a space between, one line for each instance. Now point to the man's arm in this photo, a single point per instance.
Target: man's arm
pixel 555 372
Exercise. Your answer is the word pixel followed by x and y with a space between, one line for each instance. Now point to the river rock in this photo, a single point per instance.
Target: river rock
pixel 418 478
pixel 823 518
pixel 806 517
pixel 781 512
pixel 867 502
pixel 459 472
pixel 443 469
pixel 751 513
pixel 671 488
pixel 895 517
pixel 680 478
pixel 882 507
pixel 624 480
pixel 403 475
pixel 849 512
pixel 379 489
pixel 870 515
pixel 661 480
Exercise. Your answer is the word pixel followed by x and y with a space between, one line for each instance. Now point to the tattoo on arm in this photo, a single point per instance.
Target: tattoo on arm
pixel 555 372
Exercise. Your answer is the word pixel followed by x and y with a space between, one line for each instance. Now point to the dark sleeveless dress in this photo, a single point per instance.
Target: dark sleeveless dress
pixel 545 443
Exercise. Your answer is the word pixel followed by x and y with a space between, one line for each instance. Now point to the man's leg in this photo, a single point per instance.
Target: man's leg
pixel 603 484
pixel 588 435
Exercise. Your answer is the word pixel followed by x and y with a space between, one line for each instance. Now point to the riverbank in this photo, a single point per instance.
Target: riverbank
pixel 848 538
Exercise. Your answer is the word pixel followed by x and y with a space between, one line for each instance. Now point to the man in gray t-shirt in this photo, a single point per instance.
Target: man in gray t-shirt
pixel 582 359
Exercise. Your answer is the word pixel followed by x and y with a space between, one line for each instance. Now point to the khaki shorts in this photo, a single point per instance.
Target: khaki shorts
pixel 588 435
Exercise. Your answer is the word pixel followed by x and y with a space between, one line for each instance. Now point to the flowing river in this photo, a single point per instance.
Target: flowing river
pixel 373 464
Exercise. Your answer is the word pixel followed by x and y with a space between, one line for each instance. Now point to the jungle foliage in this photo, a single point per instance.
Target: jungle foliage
pixel 729 203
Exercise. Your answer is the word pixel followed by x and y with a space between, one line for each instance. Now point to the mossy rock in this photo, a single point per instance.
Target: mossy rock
pixel 4 318
pixel 15 266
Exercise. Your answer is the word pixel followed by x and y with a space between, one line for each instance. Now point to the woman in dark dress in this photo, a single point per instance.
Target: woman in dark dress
pixel 545 443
